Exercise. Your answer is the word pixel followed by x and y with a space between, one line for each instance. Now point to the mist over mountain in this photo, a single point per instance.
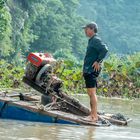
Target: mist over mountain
pixel 118 21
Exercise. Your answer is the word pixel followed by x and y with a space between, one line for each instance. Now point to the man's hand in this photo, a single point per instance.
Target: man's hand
pixel 96 66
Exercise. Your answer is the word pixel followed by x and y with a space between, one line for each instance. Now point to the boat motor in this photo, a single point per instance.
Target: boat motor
pixel 39 70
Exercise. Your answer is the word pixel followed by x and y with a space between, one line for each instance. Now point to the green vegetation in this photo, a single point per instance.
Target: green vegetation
pixel 118 21
pixel 5 30
pixel 10 75
pixel 120 76
pixel 41 26
pixel 55 26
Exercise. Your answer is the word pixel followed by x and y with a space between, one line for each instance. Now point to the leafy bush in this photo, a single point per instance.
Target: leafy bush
pixel 10 75
pixel 120 76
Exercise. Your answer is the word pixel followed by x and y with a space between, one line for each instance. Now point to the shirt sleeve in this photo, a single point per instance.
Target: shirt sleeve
pixel 102 50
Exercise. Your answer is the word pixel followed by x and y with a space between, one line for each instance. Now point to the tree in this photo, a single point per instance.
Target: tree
pixel 5 30
pixel 118 22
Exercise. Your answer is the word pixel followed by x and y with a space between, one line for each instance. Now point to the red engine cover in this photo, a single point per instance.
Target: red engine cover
pixel 39 59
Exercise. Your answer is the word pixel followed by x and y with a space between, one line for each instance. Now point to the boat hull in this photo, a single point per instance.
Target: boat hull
pixel 28 108
pixel 13 111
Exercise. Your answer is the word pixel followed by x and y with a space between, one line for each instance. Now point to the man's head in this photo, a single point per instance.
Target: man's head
pixel 91 29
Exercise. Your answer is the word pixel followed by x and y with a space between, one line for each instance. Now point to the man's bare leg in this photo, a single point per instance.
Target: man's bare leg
pixel 93 103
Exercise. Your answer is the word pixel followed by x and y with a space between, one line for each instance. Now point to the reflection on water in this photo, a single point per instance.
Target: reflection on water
pixel 19 130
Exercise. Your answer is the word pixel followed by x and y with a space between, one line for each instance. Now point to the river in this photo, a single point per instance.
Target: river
pixel 20 130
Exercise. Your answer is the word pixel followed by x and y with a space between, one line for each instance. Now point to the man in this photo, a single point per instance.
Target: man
pixel 96 52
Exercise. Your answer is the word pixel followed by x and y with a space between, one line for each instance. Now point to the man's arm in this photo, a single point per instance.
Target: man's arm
pixel 101 49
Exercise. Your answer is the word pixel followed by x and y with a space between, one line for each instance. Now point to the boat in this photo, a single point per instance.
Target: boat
pixel 27 107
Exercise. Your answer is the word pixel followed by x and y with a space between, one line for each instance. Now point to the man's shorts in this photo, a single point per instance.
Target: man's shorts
pixel 91 79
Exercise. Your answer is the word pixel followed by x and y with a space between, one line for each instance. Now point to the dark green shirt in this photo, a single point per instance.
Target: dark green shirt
pixel 96 51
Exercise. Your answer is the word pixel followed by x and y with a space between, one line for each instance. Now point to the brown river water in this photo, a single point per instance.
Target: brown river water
pixel 20 130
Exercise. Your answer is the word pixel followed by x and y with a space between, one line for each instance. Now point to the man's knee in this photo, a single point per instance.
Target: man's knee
pixel 91 91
